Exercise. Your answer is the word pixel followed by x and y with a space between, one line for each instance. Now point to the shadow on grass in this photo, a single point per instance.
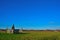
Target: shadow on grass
pixel 20 33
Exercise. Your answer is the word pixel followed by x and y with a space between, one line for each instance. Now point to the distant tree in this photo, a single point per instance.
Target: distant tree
pixel 13 27
pixel 7 28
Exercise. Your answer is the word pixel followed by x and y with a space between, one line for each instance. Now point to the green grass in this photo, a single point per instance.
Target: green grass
pixel 32 35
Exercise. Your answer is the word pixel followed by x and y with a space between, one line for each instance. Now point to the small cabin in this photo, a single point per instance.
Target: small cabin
pixel 13 30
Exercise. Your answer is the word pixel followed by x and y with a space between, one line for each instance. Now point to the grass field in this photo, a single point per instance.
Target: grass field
pixel 31 35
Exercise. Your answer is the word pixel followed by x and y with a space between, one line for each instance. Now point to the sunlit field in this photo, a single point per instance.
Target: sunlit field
pixel 31 35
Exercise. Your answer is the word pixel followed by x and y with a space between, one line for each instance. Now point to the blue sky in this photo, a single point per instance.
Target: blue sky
pixel 30 14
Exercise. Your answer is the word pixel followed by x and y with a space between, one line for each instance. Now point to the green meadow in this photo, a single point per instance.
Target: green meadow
pixel 31 35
